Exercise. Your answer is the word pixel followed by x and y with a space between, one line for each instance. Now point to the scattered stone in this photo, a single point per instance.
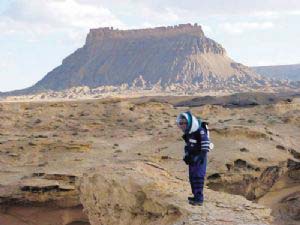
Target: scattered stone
pixel 280 147
pixel 229 166
pixel 294 153
pixel 244 150
pixel 214 176
pixel 164 157
pixel 261 159
pixel 77 159
pixel 32 144
pixel 293 169
pixel 13 154
pixel 84 114
pixel 78 147
pixel 84 130
pixel 240 163
pixel 41 136
pixel 289 100
pixel 42 164
pixel 37 121
pixel 38 174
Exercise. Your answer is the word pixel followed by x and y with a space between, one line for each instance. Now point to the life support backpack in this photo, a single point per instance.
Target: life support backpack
pixel 204 125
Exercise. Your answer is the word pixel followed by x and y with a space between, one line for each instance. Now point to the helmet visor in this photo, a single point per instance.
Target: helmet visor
pixel 182 123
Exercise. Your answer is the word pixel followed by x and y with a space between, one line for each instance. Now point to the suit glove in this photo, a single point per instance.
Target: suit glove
pixel 201 157
pixel 187 159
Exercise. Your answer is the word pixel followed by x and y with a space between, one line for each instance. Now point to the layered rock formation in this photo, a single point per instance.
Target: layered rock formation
pixel 179 57
pixel 144 193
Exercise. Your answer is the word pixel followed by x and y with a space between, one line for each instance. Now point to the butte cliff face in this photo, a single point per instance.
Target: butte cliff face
pixel 163 56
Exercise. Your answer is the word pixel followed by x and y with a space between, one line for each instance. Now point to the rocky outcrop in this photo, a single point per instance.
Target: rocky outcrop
pixel 294 153
pixel 246 179
pixel 144 193
pixel 31 215
pixel 290 207
pixel 276 186
pixel 42 189
pixel 42 198
pixel 293 169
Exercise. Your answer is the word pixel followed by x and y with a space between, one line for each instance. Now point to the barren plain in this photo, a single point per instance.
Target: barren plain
pixel 119 161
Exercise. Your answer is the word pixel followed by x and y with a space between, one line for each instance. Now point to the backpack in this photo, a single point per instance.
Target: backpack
pixel 204 125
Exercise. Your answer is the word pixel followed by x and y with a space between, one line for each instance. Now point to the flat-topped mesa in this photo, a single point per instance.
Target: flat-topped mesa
pixel 110 33
pixel 168 56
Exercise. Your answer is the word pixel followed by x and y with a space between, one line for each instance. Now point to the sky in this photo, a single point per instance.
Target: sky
pixel 36 35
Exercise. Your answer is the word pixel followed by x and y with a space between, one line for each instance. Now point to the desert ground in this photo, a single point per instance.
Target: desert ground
pixel 119 161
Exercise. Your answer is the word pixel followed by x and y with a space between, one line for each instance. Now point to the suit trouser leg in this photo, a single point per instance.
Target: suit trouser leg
pixel 197 174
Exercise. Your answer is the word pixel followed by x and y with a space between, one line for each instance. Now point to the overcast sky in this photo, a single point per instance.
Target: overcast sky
pixel 35 35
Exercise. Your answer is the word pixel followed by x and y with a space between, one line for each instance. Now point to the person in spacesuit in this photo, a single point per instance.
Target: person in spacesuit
pixel 197 144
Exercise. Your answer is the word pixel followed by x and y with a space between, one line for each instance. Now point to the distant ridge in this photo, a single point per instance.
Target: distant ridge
pixel 287 72
pixel 174 57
